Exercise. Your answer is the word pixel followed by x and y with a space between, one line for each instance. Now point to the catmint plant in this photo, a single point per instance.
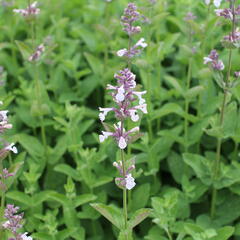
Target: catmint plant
pixel 129 104
pixel 12 222
pixel 35 53
pixel 231 42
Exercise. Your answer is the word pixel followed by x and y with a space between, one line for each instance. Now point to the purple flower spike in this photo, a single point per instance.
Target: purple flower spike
pixel 190 17
pixel 30 11
pixel 130 16
pixel 213 59
pixel 126 180
pixel 37 54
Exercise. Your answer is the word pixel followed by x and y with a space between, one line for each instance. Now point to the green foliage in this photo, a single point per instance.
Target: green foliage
pixel 64 181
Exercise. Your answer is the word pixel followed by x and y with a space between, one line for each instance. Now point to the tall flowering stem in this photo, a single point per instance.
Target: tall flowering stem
pixel 230 41
pixel 30 15
pixel 129 104
pixel 4 173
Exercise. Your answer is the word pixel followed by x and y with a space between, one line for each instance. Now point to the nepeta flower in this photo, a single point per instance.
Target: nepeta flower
pixel 120 135
pixel 232 37
pixel 37 54
pixel 25 237
pixel 12 148
pixel 126 180
pixel 134 50
pixel 30 11
pixel 6 174
pixel 130 16
pixel 4 121
pixel 226 13
pixel 217 3
pixel 189 17
pixel 14 222
pixel 213 59
pixel 237 74
pixel 124 95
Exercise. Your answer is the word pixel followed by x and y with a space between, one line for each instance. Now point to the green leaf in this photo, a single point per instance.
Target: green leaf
pixel 224 233
pixel 193 92
pixel 69 171
pixel 138 217
pixel 140 196
pixel 200 165
pixel 25 50
pixel 112 213
pixel 84 198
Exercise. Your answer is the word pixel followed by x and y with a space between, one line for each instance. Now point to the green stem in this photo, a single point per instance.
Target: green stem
pixel 168 234
pixel 2 201
pixel 216 170
pixel 125 208
pixel 187 105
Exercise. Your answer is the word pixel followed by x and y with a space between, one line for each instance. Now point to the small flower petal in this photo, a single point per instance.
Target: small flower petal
pixel 122 143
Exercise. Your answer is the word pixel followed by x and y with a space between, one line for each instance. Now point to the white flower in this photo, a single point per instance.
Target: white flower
pixel 139 95
pixel 133 114
pixel 12 148
pixel 141 43
pixel 25 237
pixel 122 143
pixel 207 60
pixel 104 136
pixel 6 224
pixel 120 95
pixel 122 52
pixel 217 3
pixel 103 113
pixel 130 182
pixel 135 129
pixel 207 2
pixel 142 107
pixel 4 115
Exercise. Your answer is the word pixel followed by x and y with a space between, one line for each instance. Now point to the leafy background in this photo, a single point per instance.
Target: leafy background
pixel 58 179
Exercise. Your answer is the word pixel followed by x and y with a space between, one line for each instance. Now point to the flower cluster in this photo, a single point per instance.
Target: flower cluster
pixel 30 11
pixel 228 13
pixel 217 3
pixel 14 223
pixel 134 50
pixel 130 16
pixel 4 124
pixel 213 58
pixel 129 102
pixel 190 17
pixel 37 53
pixel 126 179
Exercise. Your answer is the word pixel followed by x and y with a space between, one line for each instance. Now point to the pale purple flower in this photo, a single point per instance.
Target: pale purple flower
pixel 37 54
pixel 217 3
pixel 226 13
pixel 6 174
pixel 237 74
pixel 14 220
pixel 124 94
pixel 4 121
pixel 213 58
pixel 12 148
pixel 232 37
pixel 25 237
pixel 120 135
pixel 189 17
pixel 134 50
pixel 130 16
pixel 30 11
pixel 126 180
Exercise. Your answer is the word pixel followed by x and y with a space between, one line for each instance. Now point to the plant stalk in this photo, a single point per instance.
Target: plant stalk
pixel 217 166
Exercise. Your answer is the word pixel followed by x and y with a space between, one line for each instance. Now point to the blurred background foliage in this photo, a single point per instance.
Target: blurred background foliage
pixel 64 172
